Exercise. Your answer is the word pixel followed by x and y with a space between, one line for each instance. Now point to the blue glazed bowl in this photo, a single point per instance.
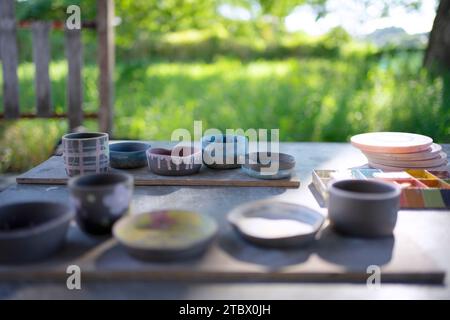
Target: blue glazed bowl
pixel 224 151
pixel 128 155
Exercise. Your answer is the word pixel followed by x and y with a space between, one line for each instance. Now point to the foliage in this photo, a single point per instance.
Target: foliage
pixel 25 143
pixel 308 99
pixel 53 9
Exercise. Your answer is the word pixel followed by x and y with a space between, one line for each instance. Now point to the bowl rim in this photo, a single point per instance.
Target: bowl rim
pixel 196 152
pixel 394 191
pixel 97 135
pixel 206 139
pixel 66 216
pixel 285 160
pixel 72 183
pixel 127 218
pixel 145 145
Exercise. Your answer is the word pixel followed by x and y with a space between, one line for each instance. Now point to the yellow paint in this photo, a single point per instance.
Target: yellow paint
pixel 421 174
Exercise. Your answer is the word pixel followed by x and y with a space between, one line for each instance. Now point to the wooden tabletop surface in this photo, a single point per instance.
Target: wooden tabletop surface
pixel 429 229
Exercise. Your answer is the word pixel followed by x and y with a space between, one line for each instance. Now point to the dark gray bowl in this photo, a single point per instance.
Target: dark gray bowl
pixel 32 231
pixel 128 154
pixel 100 200
pixel 363 208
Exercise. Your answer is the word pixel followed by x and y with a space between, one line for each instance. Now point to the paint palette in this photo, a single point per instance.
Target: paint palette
pixel 421 189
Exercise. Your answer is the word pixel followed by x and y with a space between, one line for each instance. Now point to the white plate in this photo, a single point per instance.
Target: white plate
pixel 391 142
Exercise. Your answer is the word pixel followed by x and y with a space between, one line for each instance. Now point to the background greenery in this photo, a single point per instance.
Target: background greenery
pixel 232 74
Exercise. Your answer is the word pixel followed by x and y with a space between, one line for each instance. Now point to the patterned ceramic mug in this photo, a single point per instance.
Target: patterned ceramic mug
pixel 100 199
pixel 85 153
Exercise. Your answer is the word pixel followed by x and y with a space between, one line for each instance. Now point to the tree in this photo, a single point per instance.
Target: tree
pixel 437 54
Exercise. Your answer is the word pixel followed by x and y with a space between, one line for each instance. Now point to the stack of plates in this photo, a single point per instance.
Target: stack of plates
pixel 399 150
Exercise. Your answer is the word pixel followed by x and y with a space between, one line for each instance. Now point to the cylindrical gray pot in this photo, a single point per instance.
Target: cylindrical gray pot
pixel 100 200
pixel 85 153
pixel 363 208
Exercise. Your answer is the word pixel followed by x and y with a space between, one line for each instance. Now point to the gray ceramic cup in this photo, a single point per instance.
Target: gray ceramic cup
pixel 363 208
pixel 85 153
pixel 100 199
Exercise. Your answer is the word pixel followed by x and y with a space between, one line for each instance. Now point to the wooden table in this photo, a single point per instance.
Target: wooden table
pixel 430 229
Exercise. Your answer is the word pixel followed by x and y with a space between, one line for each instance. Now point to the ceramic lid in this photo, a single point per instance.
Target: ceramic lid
pixel 165 230
pixel 276 223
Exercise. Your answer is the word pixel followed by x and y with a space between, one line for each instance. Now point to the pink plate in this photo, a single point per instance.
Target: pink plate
pixel 431 153
pixel 391 142
pixel 443 167
pixel 439 160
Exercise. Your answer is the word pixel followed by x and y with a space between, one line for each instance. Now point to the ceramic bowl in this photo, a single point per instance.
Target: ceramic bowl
pixel 128 155
pixel 179 161
pixel 269 165
pixel 165 234
pixel 100 200
pixel 85 153
pixel 363 208
pixel 276 224
pixel 224 151
pixel 31 231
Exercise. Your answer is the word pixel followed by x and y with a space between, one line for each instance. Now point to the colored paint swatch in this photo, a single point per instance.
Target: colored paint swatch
pixel 369 173
pixel 433 198
pixel 446 197
pixel 441 174
pixel 413 198
pixel 434 183
pixel 420 174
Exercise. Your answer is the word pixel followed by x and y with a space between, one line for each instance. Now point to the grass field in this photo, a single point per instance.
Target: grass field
pixel 308 99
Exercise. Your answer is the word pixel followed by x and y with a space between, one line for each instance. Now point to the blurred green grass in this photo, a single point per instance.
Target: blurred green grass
pixel 308 99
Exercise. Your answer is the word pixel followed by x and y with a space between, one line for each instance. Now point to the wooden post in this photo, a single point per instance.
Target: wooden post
pixel 41 57
pixel 74 54
pixel 105 30
pixel 437 54
pixel 8 53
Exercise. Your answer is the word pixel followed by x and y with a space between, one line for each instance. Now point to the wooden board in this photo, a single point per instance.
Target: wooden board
pixel 332 258
pixel 52 172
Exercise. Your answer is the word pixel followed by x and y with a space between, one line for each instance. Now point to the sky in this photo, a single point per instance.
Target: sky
pixel 353 16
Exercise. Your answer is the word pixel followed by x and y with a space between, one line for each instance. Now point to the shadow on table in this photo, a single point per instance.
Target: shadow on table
pixel 272 259
pixel 354 253
pixel 351 253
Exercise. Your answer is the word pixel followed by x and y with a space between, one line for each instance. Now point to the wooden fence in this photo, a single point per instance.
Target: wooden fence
pixel 41 57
